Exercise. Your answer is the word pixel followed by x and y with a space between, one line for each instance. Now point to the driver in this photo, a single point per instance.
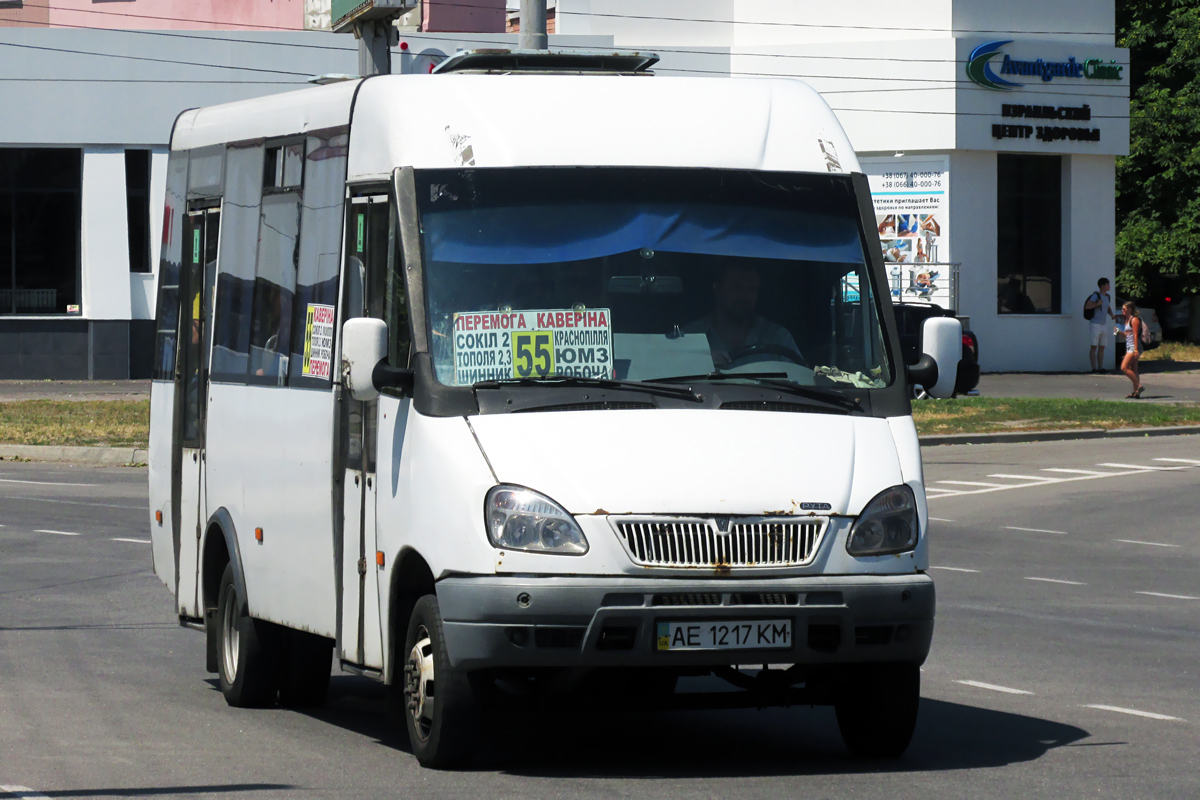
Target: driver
pixel 733 324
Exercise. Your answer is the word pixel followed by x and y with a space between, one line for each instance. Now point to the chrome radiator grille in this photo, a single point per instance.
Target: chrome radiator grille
pixel 713 544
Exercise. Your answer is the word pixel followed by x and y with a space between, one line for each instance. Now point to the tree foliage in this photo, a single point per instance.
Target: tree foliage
pixel 1158 183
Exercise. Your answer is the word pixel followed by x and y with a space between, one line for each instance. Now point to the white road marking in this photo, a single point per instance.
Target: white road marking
pixel 972 483
pixel 1152 544
pixel 60 533
pixel 1135 712
pixel 954 569
pixel 45 483
pixel 134 541
pixel 1139 466
pixel 1171 596
pixel 1076 471
pixel 1056 580
pixel 1034 530
pixel 932 519
pixel 1180 460
pixel 23 793
pixel 993 687
pixel 1038 478
pixel 1088 475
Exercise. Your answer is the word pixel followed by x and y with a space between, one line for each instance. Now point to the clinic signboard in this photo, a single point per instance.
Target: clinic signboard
pixel 911 196
pixel 1014 73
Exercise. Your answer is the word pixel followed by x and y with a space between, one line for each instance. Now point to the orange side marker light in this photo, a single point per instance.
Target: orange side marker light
pixel 379 557
pixel 258 534
pixel 158 517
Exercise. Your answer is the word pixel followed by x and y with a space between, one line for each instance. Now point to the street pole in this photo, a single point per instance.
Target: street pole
pixel 375 40
pixel 533 25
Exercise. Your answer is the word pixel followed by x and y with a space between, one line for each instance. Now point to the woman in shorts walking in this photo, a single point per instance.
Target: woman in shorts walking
pixel 1133 348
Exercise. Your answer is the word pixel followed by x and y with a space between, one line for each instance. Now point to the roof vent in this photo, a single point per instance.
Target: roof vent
pixel 575 62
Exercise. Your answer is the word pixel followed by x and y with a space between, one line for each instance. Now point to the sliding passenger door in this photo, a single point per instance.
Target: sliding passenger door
pixel 197 278
pixel 367 250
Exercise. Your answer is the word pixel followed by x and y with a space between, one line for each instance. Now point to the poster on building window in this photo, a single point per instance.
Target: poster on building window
pixel 318 340
pixel 498 345
pixel 911 199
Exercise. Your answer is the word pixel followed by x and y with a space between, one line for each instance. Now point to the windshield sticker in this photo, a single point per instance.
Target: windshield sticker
pixel 318 340
pixel 499 345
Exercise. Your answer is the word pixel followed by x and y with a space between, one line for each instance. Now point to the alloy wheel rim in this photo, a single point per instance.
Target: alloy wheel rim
pixel 419 685
pixel 230 635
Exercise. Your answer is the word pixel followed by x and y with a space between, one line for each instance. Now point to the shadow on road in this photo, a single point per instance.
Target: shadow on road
pixel 631 743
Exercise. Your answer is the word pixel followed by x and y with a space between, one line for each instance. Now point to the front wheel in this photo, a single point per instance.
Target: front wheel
pixel 439 706
pixel 877 709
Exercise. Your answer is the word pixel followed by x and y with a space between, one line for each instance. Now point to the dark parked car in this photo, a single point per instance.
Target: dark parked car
pixel 910 317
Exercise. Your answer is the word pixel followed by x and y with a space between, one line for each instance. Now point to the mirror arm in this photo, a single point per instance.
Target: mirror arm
pixel 924 372
pixel 385 376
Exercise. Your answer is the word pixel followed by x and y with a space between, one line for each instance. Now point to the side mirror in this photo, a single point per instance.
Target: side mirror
pixel 364 344
pixel 364 360
pixel 941 350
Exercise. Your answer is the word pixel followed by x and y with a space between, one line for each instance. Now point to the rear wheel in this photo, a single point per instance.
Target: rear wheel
pixel 246 653
pixel 877 709
pixel 440 708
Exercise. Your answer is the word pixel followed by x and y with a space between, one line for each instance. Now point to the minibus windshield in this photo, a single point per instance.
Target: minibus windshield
pixel 644 274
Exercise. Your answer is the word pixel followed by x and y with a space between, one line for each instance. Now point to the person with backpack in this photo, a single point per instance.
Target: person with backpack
pixel 1098 312
pixel 1136 335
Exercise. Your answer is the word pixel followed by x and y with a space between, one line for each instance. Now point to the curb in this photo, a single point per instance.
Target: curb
pixel 1056 436
pixel 100 456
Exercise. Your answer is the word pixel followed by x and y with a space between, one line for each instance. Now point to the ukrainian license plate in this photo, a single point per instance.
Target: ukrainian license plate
pixel 729 635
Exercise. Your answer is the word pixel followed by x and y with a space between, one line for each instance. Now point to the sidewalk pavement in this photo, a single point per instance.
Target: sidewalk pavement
pixel 1165 382
pixel 73 390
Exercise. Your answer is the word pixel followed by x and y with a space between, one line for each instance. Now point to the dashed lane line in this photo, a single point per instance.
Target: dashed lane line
pixel 1057 580
pixel 1152 544
pixel 1034 530
pixel 1135 712
pixel 1169 596
pixel 1180 460
pixel 22 793
pixel 993 687
pixel 953 569
pixel 935 492
pixel 931 519
pixel 57 533
pixel 973 483
pixel 133 541
pixel 1139 466
pixel 45 483
pixel 1038 478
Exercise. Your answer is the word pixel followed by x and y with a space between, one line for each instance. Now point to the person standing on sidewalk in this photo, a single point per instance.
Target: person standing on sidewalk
pixel 1100 305
pixel 1133 348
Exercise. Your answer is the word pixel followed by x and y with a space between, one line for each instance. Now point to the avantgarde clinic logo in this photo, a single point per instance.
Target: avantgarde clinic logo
pixel 979 68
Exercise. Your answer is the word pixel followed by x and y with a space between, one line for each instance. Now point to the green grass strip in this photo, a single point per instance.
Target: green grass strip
pixel 111 423
pixel 995 414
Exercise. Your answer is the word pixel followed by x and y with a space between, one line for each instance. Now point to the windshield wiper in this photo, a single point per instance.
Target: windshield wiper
pixel 661 389
pixel 773 379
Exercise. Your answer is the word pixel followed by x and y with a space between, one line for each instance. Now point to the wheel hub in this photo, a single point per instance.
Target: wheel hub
pixel 419 685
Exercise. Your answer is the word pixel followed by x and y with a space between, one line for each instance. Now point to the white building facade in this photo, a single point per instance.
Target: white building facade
pixel 990 131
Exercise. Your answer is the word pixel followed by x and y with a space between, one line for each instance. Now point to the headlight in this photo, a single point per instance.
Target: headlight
pixel 887 525
pixel 521 519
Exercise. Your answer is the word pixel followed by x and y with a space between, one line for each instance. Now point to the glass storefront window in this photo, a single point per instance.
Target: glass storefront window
pixel 1029 234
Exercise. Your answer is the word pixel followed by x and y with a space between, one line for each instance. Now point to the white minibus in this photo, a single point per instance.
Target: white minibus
pixel 527 376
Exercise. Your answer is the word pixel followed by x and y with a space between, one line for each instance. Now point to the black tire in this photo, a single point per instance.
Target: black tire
pixel 877 709
pixel 246 651
pixel 440 710
pixel 305 664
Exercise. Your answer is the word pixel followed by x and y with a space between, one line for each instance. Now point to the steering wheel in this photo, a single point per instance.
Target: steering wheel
pixel 767 349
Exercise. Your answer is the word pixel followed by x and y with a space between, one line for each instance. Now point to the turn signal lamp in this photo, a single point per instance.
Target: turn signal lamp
pixel 258 534
pixel 158 517
pixel 379 557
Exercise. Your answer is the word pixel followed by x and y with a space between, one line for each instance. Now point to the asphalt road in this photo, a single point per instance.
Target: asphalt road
pixel 1065 662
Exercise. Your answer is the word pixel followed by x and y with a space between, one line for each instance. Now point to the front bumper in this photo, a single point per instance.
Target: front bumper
pixel 609 621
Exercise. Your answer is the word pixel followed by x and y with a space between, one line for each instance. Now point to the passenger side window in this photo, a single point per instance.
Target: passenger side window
pixel 235 281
